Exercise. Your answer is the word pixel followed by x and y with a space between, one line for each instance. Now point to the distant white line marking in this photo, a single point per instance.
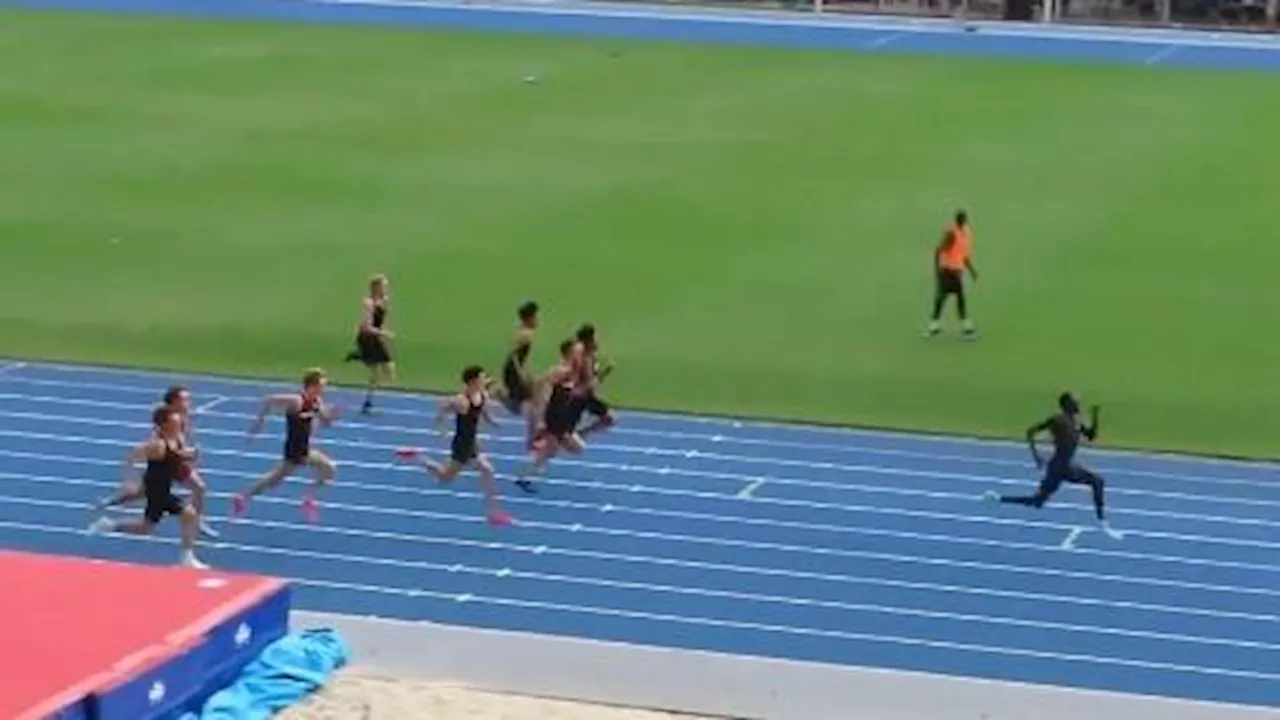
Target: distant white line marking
pixel 748 492
pixel 214 402
pixel 885 40
pixel 1070 542
pixel 1161 55
pixel 10 367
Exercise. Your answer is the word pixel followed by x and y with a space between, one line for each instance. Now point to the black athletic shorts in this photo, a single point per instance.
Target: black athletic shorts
pixel 297 452
pixel 464 450
pixel 1058 473
pixel 517 393
pixel 373 350
pixel 950 282
pixel 594 405
pixel 560 418
pixel 161 502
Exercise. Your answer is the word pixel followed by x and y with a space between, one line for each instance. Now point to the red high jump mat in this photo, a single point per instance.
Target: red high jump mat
pixel 105 641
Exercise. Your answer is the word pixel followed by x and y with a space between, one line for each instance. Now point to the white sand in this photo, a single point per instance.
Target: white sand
pixel 356 696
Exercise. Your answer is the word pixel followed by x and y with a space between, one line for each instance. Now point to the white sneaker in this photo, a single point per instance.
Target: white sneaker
pixel 188 560
pixel 991 496
pixel 101 525
pixel 1105 526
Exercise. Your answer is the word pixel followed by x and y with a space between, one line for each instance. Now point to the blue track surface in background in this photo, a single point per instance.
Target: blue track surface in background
pixel 1027 41
pixel 857 548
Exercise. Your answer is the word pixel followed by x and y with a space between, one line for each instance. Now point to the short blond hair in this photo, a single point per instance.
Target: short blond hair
pixel 313 377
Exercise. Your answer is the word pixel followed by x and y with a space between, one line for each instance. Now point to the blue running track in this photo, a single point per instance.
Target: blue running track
pixel 856 548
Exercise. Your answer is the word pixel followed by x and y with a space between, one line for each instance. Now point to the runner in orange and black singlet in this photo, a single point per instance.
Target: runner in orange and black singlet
pixel 301 411
pixel 179 399
pixel 518 392
pixel 560 408
pixel 591 371
pixel 953 256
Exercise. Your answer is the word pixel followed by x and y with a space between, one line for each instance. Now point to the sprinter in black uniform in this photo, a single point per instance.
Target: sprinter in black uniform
pixel 559 409
pixel 1066 429
pixel 301 411
pixel 591 372
pixel 518 391
pixel 373 338
pixel 467 407
pixel 178 398
pixel 165 455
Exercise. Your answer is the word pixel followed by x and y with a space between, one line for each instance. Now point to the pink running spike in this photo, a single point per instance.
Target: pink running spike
pixel 499 518
pixel 309 509
pixel 239 504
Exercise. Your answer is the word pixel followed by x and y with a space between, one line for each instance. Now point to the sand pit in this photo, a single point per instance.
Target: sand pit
pixel 357 696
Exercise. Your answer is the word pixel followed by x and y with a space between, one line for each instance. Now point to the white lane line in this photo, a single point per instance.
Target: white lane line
pixel 9 367
pixel 820 527
pixel 886 40
pixel 715 622
pixel 213 402
pixel 886 509
pixel 1070 542
pixel 1161 55
pixel 888 488
pixel 677 419
pixel 738 542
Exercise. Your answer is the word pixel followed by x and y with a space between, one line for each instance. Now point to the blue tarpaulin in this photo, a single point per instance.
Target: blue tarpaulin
pixel 286 672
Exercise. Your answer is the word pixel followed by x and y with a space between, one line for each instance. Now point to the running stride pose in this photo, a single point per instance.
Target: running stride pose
pixel 467 407
pixel 1065 427
pixel 561 409
pixel 518 391
pixel 372 338
pixel 165 455
pixel 591 372
pixel 178 398
pixel 300 413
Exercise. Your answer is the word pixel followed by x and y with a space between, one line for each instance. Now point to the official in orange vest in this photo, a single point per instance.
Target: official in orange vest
pixel 953 256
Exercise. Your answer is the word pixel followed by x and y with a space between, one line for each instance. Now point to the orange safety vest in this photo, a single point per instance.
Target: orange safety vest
pixel 955 255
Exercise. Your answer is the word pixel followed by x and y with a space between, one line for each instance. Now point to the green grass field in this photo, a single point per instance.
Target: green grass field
pixel 750 228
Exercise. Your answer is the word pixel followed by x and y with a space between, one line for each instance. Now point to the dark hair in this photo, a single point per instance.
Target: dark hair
pixel 313 377
pixel 587 333
pixel 962 217
pixel 528 310
pixel 172 394
pixel 1067 402
pixel 471 373
pixel 566 347
pixel 161 415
